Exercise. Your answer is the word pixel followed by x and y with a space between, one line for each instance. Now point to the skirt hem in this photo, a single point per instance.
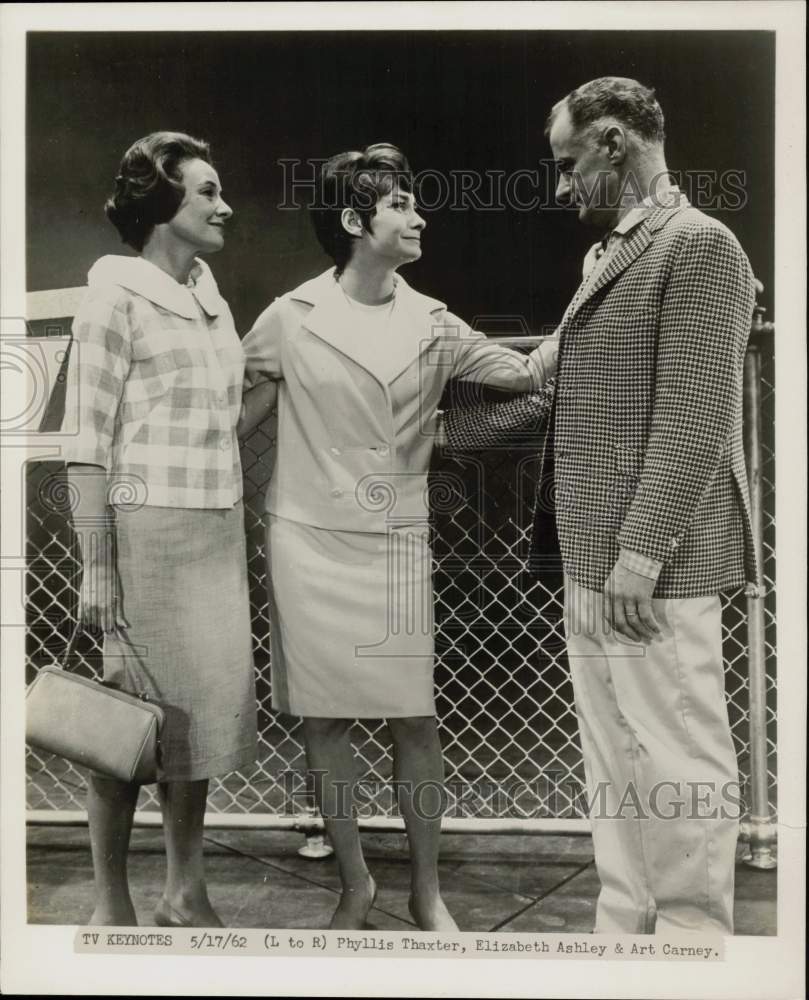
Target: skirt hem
pixel 215 768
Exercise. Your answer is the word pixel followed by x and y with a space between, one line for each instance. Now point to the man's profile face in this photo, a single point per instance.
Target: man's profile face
pixel 587 179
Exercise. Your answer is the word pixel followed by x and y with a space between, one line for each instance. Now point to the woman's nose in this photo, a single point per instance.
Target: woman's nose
pixel 224 209
pixel 418 222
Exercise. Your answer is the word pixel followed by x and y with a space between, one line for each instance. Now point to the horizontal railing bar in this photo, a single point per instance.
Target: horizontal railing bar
pixel 307 824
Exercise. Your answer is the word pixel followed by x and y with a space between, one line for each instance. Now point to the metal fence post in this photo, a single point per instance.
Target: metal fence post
pixel 760 830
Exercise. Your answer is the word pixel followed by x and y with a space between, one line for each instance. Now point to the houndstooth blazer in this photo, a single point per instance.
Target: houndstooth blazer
pixel 642 427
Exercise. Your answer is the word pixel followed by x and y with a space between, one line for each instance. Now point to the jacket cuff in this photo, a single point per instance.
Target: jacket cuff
pixel 635 562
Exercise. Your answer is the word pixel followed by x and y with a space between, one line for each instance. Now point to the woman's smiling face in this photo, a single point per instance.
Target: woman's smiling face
pixel 200 220
pixel 395 228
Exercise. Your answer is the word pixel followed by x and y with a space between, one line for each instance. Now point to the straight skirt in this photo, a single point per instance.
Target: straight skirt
pixel 188 646
pixel 351 620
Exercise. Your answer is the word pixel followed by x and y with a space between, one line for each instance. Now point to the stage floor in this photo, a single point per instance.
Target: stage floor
pixel 535 884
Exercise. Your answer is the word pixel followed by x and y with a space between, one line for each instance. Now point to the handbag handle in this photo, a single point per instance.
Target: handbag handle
pixel 65 658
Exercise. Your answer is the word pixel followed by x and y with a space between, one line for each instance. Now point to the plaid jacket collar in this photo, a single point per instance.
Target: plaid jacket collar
pixel 147 279
pixel 635 241
pixel 331 319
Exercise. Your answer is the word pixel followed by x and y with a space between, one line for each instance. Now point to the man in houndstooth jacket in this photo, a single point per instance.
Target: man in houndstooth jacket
pixel 643 481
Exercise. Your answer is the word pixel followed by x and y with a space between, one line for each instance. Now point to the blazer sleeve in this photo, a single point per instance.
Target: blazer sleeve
pixel 100 361
pixel 477 358
pixel 520 420
pixel 262 346
pixel 704 325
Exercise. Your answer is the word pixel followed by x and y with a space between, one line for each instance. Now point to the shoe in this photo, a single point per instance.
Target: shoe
pixel 166 916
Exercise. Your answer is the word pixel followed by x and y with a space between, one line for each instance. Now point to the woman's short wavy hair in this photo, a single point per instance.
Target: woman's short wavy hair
pixel 149 187
pixel 357 180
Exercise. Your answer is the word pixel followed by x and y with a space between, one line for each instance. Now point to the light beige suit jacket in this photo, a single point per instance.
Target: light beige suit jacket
pixel 356 430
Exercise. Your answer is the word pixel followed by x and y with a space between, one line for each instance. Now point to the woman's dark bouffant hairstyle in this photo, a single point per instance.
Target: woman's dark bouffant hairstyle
pixel 149 187
pixel 355 180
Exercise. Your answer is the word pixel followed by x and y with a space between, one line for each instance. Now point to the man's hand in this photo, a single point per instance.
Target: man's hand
pixel 628 605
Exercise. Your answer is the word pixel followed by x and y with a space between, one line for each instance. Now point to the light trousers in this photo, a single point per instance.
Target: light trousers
pixel 661 771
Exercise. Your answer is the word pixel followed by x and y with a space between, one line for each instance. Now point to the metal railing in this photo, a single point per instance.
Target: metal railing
pixel 503 693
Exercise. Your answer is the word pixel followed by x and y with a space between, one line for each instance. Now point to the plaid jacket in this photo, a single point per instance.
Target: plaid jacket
pixel 643 423
pixel 155 386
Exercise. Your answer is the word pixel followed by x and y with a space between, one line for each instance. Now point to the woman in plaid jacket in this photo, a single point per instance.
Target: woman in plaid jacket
pixel 155 388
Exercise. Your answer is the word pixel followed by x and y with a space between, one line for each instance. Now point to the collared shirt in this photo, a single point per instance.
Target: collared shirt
pixel 599 254
pixel 155 386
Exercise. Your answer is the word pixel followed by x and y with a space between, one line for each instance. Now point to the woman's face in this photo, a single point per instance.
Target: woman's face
pixel 396 229
pixel 200 220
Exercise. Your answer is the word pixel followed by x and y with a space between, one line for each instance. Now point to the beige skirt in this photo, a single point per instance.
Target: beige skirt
pixel 184 588
pixel 351 619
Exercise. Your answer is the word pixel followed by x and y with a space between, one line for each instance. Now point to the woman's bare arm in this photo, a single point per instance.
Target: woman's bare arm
pixel 99 597
pixel 257 405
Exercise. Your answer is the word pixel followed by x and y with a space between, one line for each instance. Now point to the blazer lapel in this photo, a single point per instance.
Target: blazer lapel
pixel 629 251
pixel 332 319
pixel 417 324
pixel 330 316
pixel 631 248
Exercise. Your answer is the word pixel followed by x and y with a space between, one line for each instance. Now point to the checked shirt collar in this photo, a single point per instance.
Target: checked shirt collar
pixel 144 278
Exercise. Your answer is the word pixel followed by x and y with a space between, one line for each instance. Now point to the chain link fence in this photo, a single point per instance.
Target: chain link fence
pixel 504 698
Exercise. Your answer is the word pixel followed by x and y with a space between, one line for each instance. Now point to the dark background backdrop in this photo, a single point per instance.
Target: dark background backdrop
pixel 451 100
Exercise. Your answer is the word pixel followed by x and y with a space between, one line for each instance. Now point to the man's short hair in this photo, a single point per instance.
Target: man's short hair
pixel 618 97
pixel 357 179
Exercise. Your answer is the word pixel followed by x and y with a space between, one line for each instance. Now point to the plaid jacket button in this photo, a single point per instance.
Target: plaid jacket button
pixel 336 493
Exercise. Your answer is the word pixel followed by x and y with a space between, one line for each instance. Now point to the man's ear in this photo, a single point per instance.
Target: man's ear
pixel 614 138
pixel 352 223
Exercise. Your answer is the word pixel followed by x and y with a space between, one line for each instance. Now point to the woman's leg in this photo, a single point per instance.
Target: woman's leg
pixel 330 757
pixel 418 770
pixel 185 899
pixel 110 810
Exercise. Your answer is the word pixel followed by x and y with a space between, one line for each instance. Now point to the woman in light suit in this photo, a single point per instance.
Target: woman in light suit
pixel 360 360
